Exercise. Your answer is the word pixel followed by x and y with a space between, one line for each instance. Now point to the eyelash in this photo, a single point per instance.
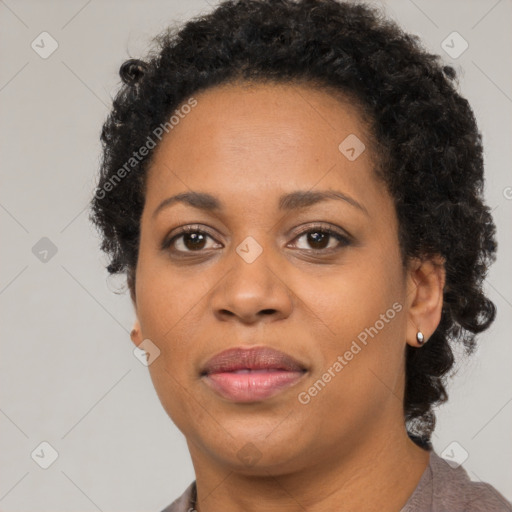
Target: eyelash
pixel 344 240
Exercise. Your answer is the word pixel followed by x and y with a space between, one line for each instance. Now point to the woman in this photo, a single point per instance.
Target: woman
pixel 294 190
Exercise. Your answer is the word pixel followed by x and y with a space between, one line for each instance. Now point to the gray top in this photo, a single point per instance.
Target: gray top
pixel 441 489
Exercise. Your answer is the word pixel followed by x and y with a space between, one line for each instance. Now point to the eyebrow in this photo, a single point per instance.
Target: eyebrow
pixel 287 202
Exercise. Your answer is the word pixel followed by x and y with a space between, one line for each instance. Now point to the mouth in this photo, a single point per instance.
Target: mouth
pixel 251 374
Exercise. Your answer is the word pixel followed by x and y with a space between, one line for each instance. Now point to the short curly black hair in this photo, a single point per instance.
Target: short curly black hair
pixel 430 150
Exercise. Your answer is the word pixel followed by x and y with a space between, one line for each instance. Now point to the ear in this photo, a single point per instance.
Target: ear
pixel 136 334
pixel 425 285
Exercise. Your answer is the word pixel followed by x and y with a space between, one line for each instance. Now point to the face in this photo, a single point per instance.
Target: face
pixel 296 250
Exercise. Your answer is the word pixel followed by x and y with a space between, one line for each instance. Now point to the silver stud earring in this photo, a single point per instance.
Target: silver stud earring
pixel 420 338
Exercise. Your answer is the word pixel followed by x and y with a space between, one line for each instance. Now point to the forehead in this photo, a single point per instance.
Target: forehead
pixel 241 140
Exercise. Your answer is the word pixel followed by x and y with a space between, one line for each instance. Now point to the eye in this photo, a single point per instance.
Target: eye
pixel 189 239
pixel 321 238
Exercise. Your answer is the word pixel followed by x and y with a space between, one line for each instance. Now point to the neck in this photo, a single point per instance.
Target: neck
pixel 379 475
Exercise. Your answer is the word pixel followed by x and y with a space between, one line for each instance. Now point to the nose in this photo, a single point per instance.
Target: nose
pixel 253 292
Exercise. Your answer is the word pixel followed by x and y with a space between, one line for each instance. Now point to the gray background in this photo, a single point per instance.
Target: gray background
pixel 68 373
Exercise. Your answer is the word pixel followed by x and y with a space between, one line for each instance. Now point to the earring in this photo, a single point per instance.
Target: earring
pixel 420 338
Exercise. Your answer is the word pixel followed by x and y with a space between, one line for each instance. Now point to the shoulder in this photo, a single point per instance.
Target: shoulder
pixel 185 503
pixel 453 490
pixel 442 488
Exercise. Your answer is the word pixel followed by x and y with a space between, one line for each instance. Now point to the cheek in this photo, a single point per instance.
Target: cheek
pixel 361 306
pixel 167 312
pixel 168 299
pixel 167 307
pixel 354 296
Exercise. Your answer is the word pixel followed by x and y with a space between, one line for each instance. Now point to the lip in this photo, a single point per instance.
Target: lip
pixel 251 374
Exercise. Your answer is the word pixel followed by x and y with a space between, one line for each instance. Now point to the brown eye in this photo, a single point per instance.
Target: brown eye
pixel 194 241
pixel 189 239
pixel 321 239
pixel 318 239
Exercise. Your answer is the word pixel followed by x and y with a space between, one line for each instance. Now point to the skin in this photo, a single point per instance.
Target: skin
pixel 347 448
